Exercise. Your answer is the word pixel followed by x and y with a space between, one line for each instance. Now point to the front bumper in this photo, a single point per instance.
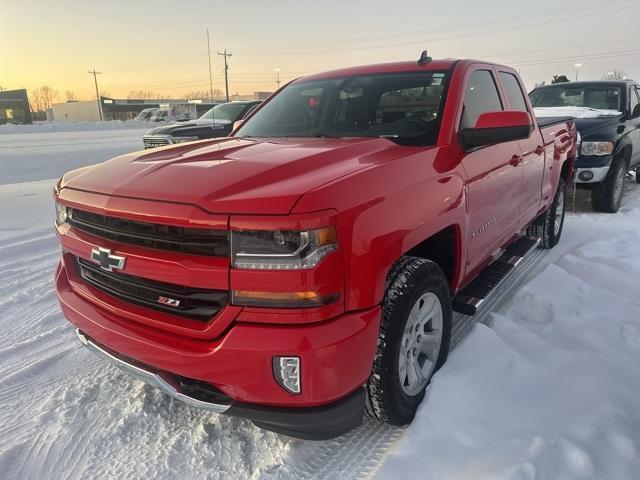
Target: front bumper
pixel 592 169
pixel 314 423
pixel 590 175
pixel 335 354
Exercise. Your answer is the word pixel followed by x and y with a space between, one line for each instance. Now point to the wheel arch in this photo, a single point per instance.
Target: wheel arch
pixel 443 248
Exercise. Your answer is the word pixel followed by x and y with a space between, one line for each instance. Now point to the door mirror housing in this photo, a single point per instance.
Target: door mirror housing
pixel 636 111
pixel 497 127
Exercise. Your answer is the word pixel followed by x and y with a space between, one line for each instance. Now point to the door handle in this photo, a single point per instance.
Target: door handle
pixel 515 160
pixel 539 150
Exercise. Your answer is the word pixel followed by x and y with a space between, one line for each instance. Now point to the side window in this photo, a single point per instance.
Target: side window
pixel 514 92
pixel 481 96
pixel 634 99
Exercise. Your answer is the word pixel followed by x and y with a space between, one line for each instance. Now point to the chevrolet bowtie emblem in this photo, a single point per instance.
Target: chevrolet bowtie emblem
pixel 107 261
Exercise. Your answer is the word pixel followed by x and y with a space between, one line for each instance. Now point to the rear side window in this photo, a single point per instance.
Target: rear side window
pixel 481 96
pixel 514 92
pixel 633 92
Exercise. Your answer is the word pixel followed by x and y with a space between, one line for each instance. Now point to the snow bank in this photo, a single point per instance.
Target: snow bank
pixel 552 389
pixel 575 112
pixel 47 155
pixel 61 126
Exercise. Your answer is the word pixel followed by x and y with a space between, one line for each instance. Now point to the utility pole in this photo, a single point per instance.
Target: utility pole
pixel 95 79
pixel 578 66
pixel 278 70
pixel 226 72
pixel 210 75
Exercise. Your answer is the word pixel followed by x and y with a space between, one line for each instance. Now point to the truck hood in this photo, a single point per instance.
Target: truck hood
pixel 598 129
pixel 188 128
pixel 251 176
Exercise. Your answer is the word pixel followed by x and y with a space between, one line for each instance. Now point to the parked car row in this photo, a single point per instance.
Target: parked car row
pixel 607 116
pixel 217 122
pixel 304 269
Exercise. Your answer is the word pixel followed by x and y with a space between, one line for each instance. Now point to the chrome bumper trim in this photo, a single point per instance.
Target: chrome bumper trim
pixel 152 378
pixel 599 174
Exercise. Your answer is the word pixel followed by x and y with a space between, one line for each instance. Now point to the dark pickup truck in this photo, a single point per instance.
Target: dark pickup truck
pixel 217 122
pixel 607 116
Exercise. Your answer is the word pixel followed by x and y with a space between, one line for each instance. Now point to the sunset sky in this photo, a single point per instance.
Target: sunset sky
pixel 160 46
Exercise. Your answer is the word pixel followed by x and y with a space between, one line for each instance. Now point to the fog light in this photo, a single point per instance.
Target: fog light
pixel 287 373
pixel 585 175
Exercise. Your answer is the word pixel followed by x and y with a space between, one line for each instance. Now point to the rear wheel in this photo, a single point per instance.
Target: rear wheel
pixel 606 196
pixel 413 342
pixel 548 227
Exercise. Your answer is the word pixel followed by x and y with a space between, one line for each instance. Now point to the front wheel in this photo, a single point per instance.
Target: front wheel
pixel 548 227
pixel 413 341
pixel 606 196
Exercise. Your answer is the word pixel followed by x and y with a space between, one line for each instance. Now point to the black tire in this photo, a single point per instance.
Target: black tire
pixel 605 197
pixel 409 280
pixel 545 225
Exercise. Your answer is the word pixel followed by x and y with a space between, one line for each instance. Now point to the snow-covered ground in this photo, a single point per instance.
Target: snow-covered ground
pixel 549 390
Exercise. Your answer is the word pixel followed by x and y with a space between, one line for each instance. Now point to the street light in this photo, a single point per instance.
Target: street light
pixel 578 66
pixel 278 70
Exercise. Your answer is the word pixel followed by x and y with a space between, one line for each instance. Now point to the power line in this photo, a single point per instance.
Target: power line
pixel 451 37
pixel 285 48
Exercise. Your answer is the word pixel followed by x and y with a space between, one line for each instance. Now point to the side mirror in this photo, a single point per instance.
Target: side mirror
pixel 497 127
pixel 636 111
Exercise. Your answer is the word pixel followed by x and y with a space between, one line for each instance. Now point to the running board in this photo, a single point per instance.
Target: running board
pixel 471 297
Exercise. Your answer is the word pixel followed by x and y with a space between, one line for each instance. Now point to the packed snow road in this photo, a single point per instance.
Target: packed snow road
pixel 548 389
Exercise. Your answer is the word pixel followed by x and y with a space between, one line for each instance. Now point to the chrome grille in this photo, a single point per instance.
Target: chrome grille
pixel 153 142
pixel 195 241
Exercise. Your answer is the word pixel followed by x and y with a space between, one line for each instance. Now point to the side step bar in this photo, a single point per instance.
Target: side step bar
pixel 471 297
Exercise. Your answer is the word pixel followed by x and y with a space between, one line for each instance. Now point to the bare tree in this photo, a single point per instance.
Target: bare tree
pixel 203 94
pixel 70 96
pixel 146 95
pixel 35 100
pixel 48 96
pixel 615 75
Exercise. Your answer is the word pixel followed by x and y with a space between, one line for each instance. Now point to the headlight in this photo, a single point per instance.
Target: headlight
pixel 184 139
pixel 282 250
pixel 597 148
pixel 61 214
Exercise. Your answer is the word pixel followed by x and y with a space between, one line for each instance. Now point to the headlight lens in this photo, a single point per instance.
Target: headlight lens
pixel 61 214
pixel 597 148
pixel 184 139
pixel 282 249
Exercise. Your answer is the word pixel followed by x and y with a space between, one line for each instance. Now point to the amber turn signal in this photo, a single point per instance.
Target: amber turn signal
pixel 246 298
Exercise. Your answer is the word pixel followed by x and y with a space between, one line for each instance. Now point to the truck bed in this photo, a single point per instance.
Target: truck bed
pixel 548 121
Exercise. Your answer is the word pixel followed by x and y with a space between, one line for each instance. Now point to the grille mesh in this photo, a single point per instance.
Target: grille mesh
pixel 194 303
pixel 195 241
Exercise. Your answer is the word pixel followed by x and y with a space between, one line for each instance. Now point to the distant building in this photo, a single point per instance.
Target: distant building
pixel 14 107
pixel 128 108
pixel 75 111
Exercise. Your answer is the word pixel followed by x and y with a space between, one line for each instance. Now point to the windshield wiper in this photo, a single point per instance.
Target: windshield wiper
pixel 324 135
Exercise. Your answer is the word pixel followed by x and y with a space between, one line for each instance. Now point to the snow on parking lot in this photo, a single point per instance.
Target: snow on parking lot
pixel 549 390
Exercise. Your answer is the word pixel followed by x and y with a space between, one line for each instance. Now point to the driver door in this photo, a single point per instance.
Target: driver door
pixel 494 176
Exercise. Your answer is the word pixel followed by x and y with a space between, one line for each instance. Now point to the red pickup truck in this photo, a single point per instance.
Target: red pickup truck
pixel 307 267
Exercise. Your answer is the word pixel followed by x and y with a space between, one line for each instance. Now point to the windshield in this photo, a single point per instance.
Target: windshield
pixel 225 112
pixel 404 107
pixel 601 97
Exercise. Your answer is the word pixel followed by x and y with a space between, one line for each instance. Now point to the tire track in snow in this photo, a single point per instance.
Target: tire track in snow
pixel 80 415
